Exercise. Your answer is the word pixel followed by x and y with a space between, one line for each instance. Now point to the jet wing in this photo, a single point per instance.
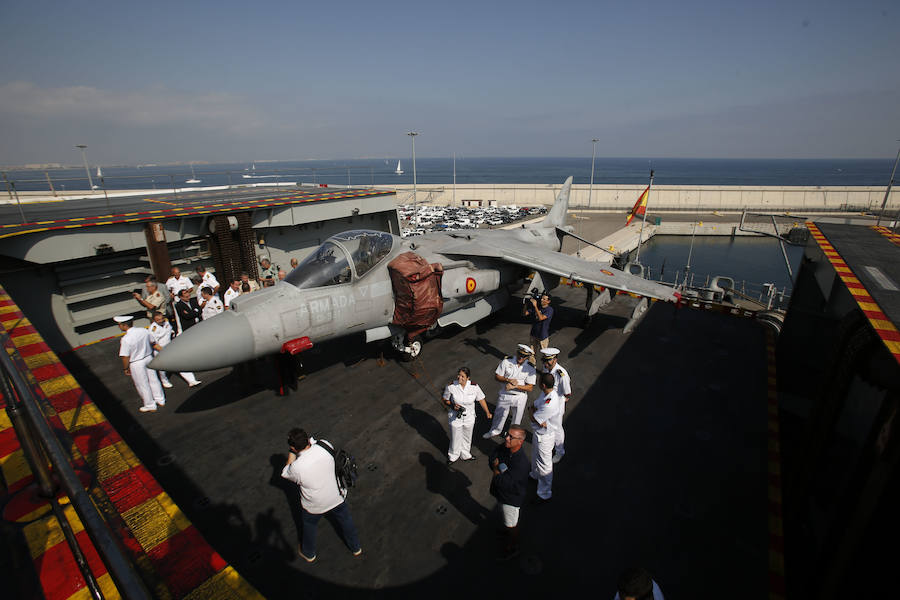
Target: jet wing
pixel 564 265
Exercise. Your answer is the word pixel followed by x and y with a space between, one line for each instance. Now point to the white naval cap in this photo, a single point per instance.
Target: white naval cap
pixel 525 349
pixel 123 318
pixel 549 352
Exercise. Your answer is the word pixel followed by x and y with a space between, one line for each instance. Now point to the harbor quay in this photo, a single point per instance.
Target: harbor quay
pixel 614 197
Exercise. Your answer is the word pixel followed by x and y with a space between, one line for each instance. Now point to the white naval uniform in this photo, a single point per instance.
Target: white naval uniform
pixel 461 428
pixel 135 344
pixel 209 280
pixel 231 294
pixel 546 406
pixel 176 285
pixel 563 389
pixel 213 307
pixel 514 400
pixel 161 335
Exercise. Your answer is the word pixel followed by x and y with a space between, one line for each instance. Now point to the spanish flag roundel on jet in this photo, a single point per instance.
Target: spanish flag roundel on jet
pixel 639 208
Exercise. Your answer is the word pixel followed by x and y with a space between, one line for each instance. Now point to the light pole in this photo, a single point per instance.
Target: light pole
pixel 593 154
pixel 887 192
pixel 412 135
pixel 87 169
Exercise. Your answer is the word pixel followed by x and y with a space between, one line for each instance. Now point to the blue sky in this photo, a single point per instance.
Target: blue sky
pixel 236 81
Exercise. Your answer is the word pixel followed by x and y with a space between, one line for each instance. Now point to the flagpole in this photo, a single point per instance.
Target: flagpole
pixel 637 258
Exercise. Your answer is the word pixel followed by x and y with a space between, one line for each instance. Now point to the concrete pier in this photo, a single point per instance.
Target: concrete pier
pixel 611 197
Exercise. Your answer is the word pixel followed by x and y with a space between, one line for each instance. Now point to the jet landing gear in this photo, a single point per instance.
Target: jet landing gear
pixel 408 349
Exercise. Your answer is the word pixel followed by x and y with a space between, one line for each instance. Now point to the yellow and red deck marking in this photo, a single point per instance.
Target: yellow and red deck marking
pixel 181 211
pixel 894 237
pixel 168 551
pixel 776 524
pixel 877 319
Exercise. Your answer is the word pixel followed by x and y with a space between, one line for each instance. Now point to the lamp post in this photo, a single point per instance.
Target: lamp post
pixel 887 192
pixel 412 135
pixel 593 154
pixel 87 169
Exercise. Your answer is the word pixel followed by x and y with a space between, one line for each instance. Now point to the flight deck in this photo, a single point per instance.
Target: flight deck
pixel 667 462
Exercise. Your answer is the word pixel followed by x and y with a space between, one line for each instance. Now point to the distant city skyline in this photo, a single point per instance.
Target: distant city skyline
pixel 221 82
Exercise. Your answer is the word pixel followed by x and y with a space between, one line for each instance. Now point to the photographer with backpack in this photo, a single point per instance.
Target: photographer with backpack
pixel 311 465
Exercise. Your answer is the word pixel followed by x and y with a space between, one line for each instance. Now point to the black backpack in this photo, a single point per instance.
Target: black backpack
pixel 345 471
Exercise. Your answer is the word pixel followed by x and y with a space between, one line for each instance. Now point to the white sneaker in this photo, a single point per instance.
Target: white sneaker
pixel 166 384
pixel 195 384
pixel 158 403
pixel 489 435
pixel 147 409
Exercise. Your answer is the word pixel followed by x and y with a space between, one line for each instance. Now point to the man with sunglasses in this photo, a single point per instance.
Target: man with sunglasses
pixel 563 389
pixel 510 466
pixel 518 378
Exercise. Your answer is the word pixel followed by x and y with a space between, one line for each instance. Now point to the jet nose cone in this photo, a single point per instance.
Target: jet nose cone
pixel 224 340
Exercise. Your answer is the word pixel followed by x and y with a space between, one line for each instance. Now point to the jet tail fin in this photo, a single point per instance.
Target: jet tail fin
pixel 557 215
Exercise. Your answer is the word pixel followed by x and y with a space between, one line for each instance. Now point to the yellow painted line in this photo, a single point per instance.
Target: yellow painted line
pixel 868 305
pixel 893 346
pixel 882 324
pixel 43 359
pixel 8 309
pixel 151 521
pixel 107 586
pixel 14 466
pixel 81 416
pixel 111 460
pixel 58 385
pixel 26 340
pixel 5 423
pixel 104 222
pixel 159 202
pixel 227 584
pixel 46 533
pixel 72 226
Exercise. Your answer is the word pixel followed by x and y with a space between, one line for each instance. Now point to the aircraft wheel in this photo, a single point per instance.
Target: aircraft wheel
pixel 415 348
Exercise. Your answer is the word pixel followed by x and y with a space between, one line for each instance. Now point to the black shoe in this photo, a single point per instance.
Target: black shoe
pixel 469 459
pixel 508 554
pixel 542 501
pixel 450 462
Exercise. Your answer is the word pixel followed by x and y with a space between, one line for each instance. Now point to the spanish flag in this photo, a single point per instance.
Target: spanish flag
pixel 640 207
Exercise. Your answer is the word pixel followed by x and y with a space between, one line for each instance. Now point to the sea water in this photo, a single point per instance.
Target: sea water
pixel 439 171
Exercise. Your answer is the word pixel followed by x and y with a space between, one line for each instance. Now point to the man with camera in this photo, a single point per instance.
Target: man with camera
pixel 154 300
pixel 510 467
pixel 311 467
pixel 537 307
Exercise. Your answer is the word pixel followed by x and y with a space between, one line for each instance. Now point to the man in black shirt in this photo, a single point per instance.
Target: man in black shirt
pixel 510 467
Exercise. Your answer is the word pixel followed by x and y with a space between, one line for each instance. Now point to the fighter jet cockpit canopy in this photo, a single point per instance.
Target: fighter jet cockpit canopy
pixel 330 263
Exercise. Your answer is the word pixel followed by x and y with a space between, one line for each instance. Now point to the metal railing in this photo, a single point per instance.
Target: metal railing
pixel 41 446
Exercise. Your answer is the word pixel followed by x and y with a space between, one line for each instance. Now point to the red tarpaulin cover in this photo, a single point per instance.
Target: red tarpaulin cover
pixel 417 292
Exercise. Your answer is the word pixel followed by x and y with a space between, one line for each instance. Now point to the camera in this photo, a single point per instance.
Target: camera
pixel 461 412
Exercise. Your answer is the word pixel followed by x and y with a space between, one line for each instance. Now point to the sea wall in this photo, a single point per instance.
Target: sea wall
pixel 664 197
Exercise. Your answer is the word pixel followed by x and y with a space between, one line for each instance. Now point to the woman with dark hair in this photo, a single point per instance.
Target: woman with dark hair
pixel 460 397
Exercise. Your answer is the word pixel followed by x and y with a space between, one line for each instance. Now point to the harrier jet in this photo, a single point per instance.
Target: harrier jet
pixel 386 286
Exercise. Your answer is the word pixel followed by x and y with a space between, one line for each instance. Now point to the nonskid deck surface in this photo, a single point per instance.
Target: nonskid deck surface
pixel 666 463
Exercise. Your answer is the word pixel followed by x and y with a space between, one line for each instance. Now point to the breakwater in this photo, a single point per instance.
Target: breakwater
pixel 685 198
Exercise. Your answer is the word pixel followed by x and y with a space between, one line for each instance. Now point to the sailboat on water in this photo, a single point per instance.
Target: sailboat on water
pixel 398 170
pixel 193 178
pixel 252 170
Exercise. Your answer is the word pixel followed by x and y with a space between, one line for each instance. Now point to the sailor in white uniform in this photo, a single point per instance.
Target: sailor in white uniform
pixel 460 397
pixel 545 407
pixel 563 389
pixel 160 336
pixel 211 305
pixel 136 350
pixel 518 378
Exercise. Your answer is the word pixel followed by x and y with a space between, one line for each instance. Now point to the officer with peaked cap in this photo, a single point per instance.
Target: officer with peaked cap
pixel 518 378
pixel 136 351
pixel 563 389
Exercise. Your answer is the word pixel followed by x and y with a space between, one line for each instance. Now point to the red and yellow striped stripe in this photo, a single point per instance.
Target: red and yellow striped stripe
pixel 877 319
pixel 893 237
pixel 166 548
